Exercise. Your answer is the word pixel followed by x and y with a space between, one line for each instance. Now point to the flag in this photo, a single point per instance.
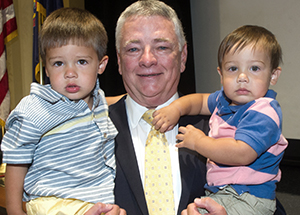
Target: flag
pixel 41 9
pixel 8 30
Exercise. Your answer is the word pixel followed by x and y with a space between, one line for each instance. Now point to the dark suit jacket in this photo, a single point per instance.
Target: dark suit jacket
pixel 129 193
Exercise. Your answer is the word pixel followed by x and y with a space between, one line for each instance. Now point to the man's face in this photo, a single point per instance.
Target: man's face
pixel 149 59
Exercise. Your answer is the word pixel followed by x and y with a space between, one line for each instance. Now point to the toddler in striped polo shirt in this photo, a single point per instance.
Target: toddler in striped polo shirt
pixel 245 144
pixel 59 140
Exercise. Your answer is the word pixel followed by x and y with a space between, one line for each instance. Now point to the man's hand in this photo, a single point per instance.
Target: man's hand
pixel 108 209
pixel 209 204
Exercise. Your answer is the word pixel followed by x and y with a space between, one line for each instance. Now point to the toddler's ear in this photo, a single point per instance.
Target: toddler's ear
pixel 275 75
pixel 221 75
pixel 47 73
pixel 102 64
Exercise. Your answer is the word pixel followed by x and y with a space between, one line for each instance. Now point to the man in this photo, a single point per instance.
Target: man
pixel 152 53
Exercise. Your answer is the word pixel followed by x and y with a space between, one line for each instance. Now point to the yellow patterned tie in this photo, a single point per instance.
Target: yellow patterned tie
pixel 158 173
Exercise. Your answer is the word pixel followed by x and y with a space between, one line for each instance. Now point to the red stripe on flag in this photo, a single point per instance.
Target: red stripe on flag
pixel 3 86
pixel 2 45
pixel 10 26
pixel 5 3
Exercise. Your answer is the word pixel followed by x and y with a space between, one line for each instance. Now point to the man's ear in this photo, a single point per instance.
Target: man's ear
pixel 119 62
pixel 275 75
pixel 102 64
pixel 184 54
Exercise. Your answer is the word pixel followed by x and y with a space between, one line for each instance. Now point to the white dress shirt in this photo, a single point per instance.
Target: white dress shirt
pixel 139 131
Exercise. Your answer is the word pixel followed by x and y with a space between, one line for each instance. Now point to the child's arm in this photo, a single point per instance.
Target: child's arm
pixel 113 99
pixel 14 183
pixel 166 118
pixel 226 151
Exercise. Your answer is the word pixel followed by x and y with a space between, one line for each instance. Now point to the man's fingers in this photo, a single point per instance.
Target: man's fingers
pixel 99 208
pixel 116 211
pixel 210 205
pixel 122 212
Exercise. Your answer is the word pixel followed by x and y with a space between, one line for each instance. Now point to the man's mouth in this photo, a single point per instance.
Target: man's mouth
pixel 150 75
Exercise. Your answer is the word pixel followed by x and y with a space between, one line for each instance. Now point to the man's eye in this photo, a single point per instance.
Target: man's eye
pixel 254 68
pixel 233 68
pixel 58 63
pixel 162 47
pixel 82 62
pixel 132 49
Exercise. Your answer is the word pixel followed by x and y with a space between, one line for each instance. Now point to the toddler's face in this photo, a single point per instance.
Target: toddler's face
pixel 246 74
pixel 73 69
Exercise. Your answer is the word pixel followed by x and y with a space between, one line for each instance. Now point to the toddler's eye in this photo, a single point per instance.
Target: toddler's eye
pixel 58 63
pixel 254 68
pixel 233 68
pixel 82 62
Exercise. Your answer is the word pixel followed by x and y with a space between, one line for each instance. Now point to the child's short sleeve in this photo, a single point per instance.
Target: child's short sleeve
pixel 260 125
pixel 213 100
pixel 20 140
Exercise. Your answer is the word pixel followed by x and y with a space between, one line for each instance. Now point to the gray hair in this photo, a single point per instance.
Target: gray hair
pixel 150 8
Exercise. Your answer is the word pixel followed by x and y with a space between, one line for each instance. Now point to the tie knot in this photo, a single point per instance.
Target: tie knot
pixel 147 116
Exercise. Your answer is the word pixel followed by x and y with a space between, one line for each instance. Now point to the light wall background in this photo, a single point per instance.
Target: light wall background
pixel 212 20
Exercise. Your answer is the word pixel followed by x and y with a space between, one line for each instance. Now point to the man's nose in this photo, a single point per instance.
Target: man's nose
pixel 148 57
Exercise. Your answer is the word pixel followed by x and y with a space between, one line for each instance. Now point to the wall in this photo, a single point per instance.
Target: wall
pixel 213 20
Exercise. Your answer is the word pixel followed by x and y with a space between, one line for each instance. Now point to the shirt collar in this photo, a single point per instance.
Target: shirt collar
pixel 224 106
pixel 135 111
pixel 271 94
pixel 99 96
pixel 45 92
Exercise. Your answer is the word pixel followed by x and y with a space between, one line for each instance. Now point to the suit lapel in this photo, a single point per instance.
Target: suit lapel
pixel 187 176
pixel 125 154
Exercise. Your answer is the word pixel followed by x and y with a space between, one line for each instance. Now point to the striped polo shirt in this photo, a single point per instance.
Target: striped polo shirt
pixel 69 147
pixel 257 123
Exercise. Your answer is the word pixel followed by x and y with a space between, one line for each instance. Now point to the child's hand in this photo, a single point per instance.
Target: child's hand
pixel 189 136
pixel 166 118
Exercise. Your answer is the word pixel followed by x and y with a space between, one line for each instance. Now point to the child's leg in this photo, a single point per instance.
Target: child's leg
pixel 53 205
pixel 241 204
